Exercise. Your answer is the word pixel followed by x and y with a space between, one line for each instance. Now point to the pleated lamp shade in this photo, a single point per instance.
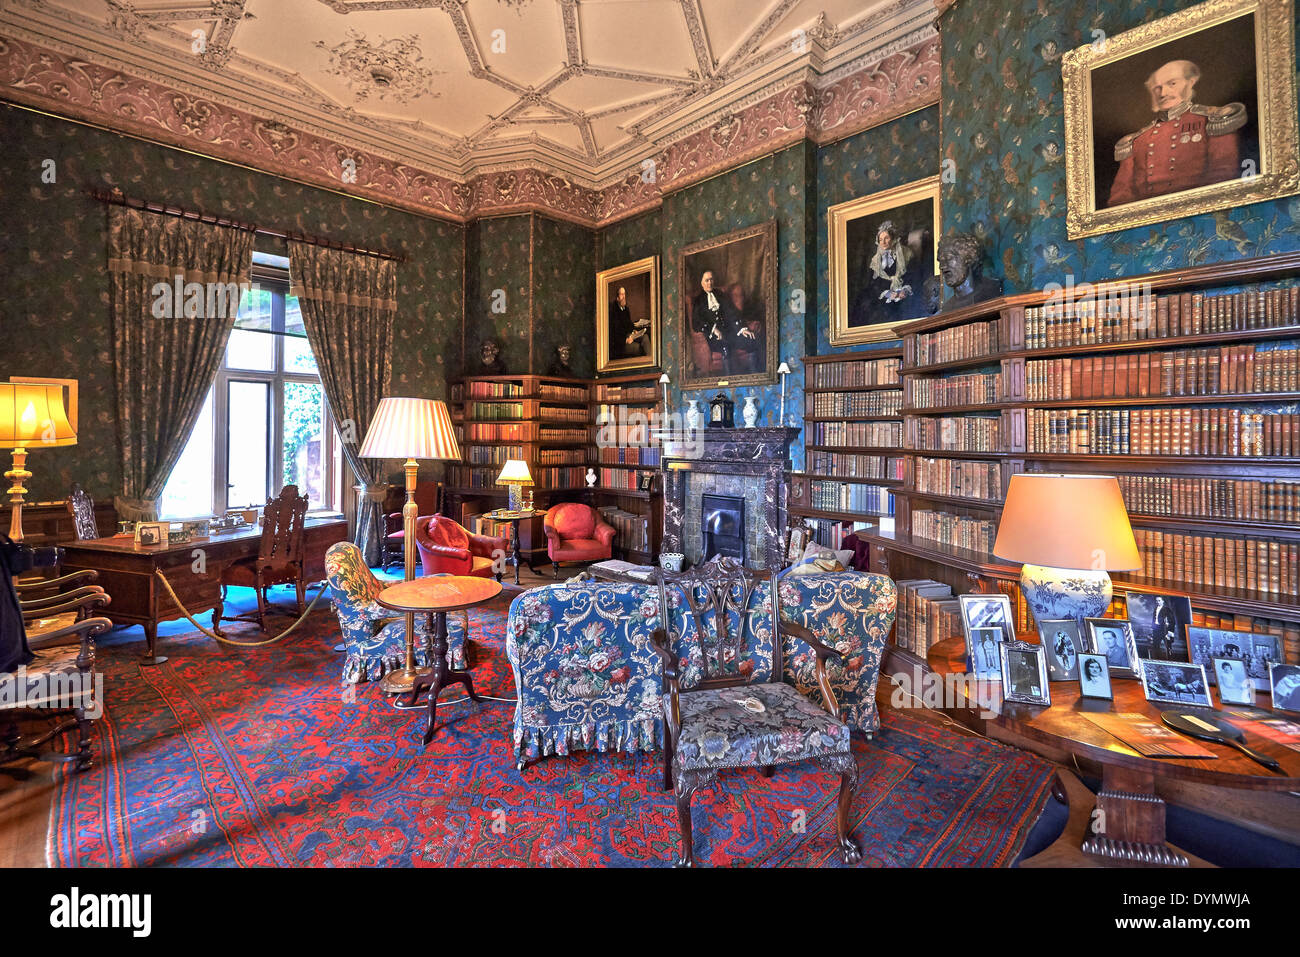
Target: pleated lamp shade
pixel 515 473
pixel 1066 521
pixel 32 416
pixel 407 428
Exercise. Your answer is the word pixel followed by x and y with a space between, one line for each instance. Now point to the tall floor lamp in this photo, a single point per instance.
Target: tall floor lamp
pixel 410 429
pixel 31 415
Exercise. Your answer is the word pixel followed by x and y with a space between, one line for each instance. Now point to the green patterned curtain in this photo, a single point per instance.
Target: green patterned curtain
pixel 348 303
pixel 174 286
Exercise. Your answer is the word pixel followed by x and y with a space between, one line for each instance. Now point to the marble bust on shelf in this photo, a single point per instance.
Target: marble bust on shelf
pixel 959 265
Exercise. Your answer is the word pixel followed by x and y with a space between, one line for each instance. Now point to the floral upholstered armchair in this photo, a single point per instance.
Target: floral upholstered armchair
pixel 589 679
pixel 374 637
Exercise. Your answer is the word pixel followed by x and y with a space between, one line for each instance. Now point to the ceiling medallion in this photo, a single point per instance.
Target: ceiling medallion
pixel 387 70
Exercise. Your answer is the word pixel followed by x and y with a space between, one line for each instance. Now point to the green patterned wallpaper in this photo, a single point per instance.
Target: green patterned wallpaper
pixel 54 289
pixel 564 294
pixel 497 291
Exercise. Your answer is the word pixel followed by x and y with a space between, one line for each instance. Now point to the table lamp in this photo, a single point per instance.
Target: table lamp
pixel 1069 531
pixel 410 429
pixel 515 476
pixel 31 414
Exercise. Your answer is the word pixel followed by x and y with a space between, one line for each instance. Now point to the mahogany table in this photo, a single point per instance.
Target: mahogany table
pixel 514 518
pixel 126 572
pixel 435 595
pixel 1133 813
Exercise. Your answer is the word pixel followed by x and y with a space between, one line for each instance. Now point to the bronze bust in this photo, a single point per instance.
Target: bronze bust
pixel 959 265
pixel 490 352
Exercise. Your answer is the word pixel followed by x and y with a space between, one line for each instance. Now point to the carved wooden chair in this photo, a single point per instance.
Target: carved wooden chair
pixel 279 560
pixel 725 703
pixel 61 630
pixel 82 509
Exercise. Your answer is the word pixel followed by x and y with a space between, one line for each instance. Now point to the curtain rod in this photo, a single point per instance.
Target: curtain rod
pixel 116 197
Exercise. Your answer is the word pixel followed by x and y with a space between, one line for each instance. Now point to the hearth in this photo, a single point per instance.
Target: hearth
pixel 722 522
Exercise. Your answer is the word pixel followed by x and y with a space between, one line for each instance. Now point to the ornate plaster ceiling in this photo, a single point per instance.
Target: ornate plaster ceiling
pixel 586 90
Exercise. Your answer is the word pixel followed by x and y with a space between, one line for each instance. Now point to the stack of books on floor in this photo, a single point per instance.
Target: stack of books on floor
pixel 633 529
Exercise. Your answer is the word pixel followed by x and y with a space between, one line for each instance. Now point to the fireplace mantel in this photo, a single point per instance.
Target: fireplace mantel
pixel 764 453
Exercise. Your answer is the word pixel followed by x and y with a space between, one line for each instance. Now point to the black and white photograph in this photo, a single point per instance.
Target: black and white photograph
pixel 1160 625
pixel 1113 637
pixel 1255 650
pixel 1024 673
pixel 1174 682
pixel 1094 677
pixel 1284 683
pixel 1235 685
pixel 983 653
pixel 987 611
pixel 1061 640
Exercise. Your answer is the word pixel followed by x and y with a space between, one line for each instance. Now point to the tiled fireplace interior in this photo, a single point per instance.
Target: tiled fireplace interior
pixel 749 488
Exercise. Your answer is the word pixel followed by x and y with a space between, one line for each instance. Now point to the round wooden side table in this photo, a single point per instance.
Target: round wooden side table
pixel 434 596
pixel 1128 802
pixel 514 518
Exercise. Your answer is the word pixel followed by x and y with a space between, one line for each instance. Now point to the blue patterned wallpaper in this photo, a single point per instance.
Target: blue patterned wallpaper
pixel 1004 128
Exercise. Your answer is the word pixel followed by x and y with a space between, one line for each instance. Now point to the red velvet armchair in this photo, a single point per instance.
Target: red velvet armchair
pixel 576 533
pixel 448 548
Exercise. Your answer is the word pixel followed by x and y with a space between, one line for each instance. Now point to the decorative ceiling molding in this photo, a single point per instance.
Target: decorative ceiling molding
pixel 671 154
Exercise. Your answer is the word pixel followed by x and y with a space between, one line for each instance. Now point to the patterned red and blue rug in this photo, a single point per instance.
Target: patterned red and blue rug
pixel 260 757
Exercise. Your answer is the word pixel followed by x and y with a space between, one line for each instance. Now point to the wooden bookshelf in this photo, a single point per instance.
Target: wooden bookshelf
pixel 637 514
pixel 540 419
pixel 1182 382
pixel 852 431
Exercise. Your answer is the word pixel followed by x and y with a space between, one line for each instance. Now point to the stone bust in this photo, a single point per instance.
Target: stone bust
pixel 959 265
pixel 490 352
pixel 560 364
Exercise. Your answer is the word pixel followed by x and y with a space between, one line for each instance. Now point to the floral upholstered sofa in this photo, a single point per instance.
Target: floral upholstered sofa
pixel 588 677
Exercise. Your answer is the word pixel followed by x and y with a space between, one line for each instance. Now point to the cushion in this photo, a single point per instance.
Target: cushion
pixel 444 531
pixel 843 556
pixel 482 568
pixel 816 566
pixel 579 549
pixel 574 520
pixel 754 725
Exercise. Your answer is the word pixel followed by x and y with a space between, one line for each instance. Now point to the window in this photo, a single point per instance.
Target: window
pixel 265 423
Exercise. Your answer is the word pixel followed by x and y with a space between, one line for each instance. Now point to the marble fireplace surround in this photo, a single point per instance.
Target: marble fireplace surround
pixel 762 454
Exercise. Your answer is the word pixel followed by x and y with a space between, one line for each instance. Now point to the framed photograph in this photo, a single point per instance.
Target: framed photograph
pixel 1175 682
pixel 980 610
pixel 1062 642
pixel 1094 676
pixel 1024 673
pixel 1159 625
pixel 1236 686
pixel 1256 650
pixel 646 481
pixel 151 533
pixel 882 249
pixel 1184 115
pixel 797 538
pixel 1113 637
pixel 984 653
pixel 730 320
pixel 627 316
pixel 1284 683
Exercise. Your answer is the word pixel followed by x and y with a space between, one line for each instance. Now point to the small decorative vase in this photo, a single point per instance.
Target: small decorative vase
pixel 671 561
pixel 1054 593
pixel 750 412
pixel 693 415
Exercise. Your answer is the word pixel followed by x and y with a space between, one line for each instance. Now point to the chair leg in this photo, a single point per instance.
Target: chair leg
pixel 302 594
pixel 261 603
pixel 847 767
pixel 685 790
pixel 557 570
pixel 84 756
pixel 769 770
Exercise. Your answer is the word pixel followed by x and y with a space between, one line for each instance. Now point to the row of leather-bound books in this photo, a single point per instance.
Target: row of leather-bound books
pixel 880 434
pixel 855 372
pixel 632 528
pixel 960 531
pixel 886 402
pixel 1250 500
pixel 1223 370
pixel 971 389
pixel 1220 561
pixel 851 497
pixel 1164 431
pixel 1135 315
pixel 968 341
pixel 957 434
pixel 855 465
pixel 957 478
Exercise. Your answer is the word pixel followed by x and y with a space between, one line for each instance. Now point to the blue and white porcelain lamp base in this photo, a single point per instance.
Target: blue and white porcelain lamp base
pixel 1054 593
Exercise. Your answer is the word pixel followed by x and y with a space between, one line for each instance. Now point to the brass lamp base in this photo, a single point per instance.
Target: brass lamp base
pixel 403 681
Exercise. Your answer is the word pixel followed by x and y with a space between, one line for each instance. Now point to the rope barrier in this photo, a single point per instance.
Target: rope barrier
pixel 226 641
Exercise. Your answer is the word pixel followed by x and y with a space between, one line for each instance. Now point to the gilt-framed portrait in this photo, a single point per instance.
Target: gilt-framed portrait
pixel 1188 114
pixel 729 316
pixel 882 249
pixel 627 317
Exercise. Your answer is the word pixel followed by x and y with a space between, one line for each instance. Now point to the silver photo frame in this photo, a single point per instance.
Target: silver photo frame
pixel 1024 674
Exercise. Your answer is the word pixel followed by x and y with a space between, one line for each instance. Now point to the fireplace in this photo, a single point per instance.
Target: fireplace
pixel 722 522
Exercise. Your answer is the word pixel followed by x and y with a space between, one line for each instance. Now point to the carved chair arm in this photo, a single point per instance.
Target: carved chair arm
pixel 48 601
pixel 822 651
pixel 45 584
pixel 51 610
pixel 671 687
pixel 80 632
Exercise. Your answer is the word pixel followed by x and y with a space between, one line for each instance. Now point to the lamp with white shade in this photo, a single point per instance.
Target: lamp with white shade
pixel 1068 531
pixel 410 429
pixel 31 414
pixel 783 370
pixel 515 476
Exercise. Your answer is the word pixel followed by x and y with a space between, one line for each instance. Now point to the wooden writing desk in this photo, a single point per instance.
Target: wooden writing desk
pixel 126 572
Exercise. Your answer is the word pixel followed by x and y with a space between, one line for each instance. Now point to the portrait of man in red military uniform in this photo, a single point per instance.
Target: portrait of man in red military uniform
pixel 1186 145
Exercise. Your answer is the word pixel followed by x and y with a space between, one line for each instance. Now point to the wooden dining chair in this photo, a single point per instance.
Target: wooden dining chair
pixel 279 560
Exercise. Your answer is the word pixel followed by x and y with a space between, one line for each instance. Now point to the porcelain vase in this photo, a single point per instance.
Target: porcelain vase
pixel 750 412
pixel 1054 593
pixel 693 415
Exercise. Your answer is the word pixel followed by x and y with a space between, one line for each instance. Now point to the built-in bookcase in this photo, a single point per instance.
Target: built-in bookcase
pixel 1182 384
pixel 853 430
pixel 623 408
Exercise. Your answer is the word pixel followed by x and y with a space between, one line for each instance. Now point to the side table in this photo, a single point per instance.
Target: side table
pixel 514 518
pixel 436 595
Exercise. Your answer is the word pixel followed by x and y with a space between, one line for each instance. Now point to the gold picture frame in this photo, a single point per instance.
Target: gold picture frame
pixel 746 261
pixel 643 322
pixel 1260 111
pixel 856 313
